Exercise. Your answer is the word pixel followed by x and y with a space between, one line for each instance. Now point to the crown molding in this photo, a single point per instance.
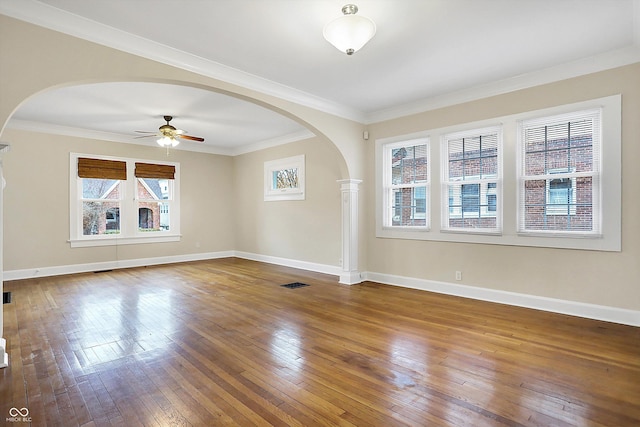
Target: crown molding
pixel 48 128
pixel 593 64
pixel 56 19
pixel 273 142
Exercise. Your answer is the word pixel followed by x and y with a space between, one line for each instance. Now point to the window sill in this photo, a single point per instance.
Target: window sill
pixel 479 231
pixel 116 241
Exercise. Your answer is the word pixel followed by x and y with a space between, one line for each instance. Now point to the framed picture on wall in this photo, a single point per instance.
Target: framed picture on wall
pixel 284 179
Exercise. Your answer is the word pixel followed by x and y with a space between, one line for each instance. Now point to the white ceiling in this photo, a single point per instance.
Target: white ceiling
pixel 425 54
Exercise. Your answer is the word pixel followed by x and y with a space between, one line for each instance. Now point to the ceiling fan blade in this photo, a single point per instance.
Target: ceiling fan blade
pixel 191 138
pixel 146 131
pixel 144 136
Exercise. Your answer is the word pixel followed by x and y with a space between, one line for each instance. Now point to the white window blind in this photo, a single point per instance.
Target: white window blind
pixel 471 180
pixel 406 183
pixel 560 164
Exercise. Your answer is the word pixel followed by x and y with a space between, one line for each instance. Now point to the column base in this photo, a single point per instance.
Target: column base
pixel 351 277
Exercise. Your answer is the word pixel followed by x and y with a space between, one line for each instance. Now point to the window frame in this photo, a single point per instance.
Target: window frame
pixel 610 238
pixel 568 172
pixel 449 184
pixel 391 189
pixel 128 209
pixel 271 192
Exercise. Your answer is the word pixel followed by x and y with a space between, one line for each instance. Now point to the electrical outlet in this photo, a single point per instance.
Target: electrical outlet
pixel 458 275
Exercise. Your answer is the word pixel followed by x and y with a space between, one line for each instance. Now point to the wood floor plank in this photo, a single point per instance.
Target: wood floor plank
pixel 221 342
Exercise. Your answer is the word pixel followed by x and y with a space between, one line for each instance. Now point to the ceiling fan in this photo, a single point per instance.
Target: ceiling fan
pixel 168 134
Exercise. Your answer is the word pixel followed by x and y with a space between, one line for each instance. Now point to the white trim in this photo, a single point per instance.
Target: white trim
pixel 456 184
pixel 389 189
pixel 4 356
pixel 51 128
pixel 117 241
pixel 58 20
pixel 593 64
pixel 349 213
pixel 288 262
pixel 30 273
pixel 129 233
pixel 295 193
pixel 572 308
pixel 611 236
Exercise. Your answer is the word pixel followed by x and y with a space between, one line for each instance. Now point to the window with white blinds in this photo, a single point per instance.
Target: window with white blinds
pixel 560 164
pixel 406 183
pixel 471 179
pixel 546 178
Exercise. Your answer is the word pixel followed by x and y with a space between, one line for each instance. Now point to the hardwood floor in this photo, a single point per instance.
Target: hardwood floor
pixel 222 343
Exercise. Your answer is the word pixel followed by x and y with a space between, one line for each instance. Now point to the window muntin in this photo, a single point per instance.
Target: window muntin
pixel 406 183
pixel 154 200
pixel 471 171
pixel 559 190
pixel 508 190
pixel 100 206
pixel 107 211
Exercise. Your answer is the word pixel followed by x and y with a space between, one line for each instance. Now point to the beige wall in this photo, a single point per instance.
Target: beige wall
pixel 303 230
pixel 36 59
pixel 604 278
pixel 222 206
pixel 36 209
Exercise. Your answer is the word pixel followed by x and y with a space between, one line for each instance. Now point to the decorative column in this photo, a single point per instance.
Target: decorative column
pixel 350 274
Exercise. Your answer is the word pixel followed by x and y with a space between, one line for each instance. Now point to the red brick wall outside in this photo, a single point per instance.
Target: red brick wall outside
pixel 144 194
pixel 100 209
pixel 407 169
pixel 562 154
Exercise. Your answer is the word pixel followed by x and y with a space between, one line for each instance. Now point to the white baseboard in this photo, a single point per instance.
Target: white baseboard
pixel 573 308
pixel 110 265
pixel 287 262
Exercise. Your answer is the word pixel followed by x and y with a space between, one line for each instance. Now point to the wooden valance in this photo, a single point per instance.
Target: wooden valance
pixel 103 169
pixel 148 170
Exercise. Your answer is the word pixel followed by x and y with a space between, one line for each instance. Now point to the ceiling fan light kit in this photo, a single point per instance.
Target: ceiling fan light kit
pixel 167 141
pixel 350 32
pixel 169 134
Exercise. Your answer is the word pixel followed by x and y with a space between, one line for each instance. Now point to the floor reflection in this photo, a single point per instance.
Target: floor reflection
pixel 286 348
pixel 115 326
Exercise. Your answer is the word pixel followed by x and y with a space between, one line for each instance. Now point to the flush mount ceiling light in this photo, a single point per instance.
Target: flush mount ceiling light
pixel 350 32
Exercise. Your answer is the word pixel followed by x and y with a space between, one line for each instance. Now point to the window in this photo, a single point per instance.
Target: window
pixel 406 182
pixel 544 178
pixel 559 190
pixel 102 214
pixel 471 171
pixel 284 179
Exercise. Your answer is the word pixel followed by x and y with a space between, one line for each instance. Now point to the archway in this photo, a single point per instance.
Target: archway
pixel 36 59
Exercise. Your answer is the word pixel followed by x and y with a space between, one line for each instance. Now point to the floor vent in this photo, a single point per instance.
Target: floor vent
pixel 6 297
pixel 294 285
